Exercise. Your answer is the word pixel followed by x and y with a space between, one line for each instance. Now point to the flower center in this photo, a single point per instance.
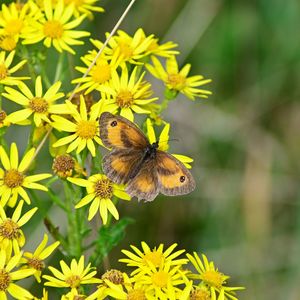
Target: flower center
pixel 39 105
pixel 160 279
pixel 124 99
pixel 2 115
pixel 114 276
pixel 7 43
pixel 103 189
pixel 136 295
pixel 63 165
pixel 199 294
pixel 212 278
pixel 12 178
pixel 87 129
pixel 156 258
pixel 125 50
pixel 53 29
pixel 176 81
pixel 4 280
pixel 101 73
pixel 9 229
pixel 36 263
pixel 14 27
pixel 3 71
pixel 73 281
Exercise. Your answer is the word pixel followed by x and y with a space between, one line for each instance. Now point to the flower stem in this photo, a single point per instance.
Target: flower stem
pixel 59 68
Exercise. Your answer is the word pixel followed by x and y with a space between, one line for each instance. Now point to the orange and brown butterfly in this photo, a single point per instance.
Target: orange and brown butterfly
pixel 139 164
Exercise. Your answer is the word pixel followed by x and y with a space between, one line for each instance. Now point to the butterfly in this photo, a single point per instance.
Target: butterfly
pixel 142 166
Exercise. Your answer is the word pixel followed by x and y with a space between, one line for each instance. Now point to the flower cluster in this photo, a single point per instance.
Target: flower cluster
pixel 39 97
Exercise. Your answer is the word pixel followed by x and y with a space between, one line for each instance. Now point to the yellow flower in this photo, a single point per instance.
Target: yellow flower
pixel 7 277
pixel 212 279
pixel 6 71
pixel 11 235
pixel 13 179
pixel 38 105
pixel 99 74
pixel 13 20
pixel 36 259
pixel 86 7
pixel 85 127
pixel 132 290
pixel 56 28
pixel 128 94
pixel 8 42
pixel 177 80
pixel 73 276
pixel 156 257
pixel 162 282
pixel 100 190
pixel 163 142
pixel 128 49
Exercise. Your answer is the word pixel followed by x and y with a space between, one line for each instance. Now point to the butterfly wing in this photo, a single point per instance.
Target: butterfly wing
pixel 173 177
pixel 144 185
pixel 120 164
pixel 118 132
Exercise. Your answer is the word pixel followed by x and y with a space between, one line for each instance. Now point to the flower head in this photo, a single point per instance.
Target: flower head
pixel 128 94
pixel 84 127
pixel 56 28
pixel 8 276
pixel 11 235
pixel 99 74
pixel 36 259
pixel 177 80
pixel 155 257
pixel 73 276
pixel 163 142
pixel 214 281
pixel 6 71
pixel 86 7
pixel 38 105
pixel 13 179
pixel 100 191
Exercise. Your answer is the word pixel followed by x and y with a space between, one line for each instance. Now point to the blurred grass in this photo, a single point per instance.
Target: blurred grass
pixel 245 211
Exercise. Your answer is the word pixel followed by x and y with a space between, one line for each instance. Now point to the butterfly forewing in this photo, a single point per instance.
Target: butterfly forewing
pixel 144 185
pixel 119 164
pixel 118 132
pixel 173 177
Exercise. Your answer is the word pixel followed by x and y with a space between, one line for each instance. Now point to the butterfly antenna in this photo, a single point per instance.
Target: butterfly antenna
pixel 170 140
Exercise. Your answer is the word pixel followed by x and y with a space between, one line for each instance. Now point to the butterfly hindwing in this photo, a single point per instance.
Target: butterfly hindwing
pixel 173 177
pixel 144 185
pixel 118 132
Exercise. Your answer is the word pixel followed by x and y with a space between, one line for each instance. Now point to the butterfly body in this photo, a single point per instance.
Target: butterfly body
pixel 142 166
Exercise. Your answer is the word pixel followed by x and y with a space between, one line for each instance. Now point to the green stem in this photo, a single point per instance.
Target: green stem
pixel 31 69
pixel 74 221
pixel 59 68
pixel 1 91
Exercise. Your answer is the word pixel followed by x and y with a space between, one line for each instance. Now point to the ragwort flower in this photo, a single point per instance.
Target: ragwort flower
pixel 38 105
pixel 56 28
pixel 11 235
pixel 36 259
pixel 155 257
pixel 8 276
pixel 85 127
pixel 6 71
pixel 163 142
pixel 212 279
pixel 128 94
pixel 13 179
pixel 86 7
pixel 73 276
pixel 100 191
pixel 179 81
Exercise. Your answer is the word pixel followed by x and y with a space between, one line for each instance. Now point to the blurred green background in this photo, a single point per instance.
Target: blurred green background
pixel 245 213
pixel 245 140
